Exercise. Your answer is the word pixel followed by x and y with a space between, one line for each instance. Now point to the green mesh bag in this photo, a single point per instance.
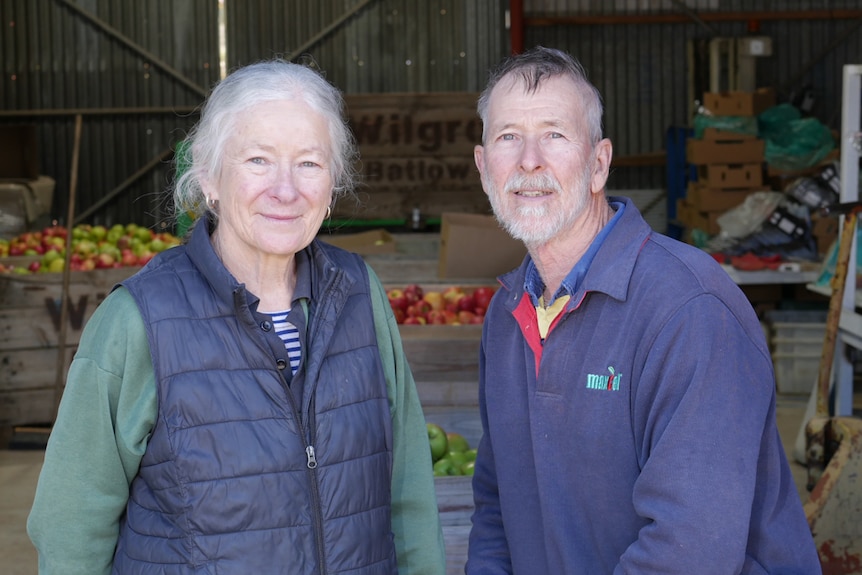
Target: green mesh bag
pixel 792 142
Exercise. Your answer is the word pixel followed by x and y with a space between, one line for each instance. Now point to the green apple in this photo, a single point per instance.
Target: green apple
pixel 444 467
pixel 438 441
pixel 457 442
pixel 468 468
pixel 459 458
pixel 471 454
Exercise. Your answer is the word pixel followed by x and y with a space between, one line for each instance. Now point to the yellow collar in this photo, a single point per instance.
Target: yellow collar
pixel 547 315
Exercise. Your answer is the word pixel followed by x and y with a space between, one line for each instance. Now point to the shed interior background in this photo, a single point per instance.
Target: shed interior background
pixel 135 72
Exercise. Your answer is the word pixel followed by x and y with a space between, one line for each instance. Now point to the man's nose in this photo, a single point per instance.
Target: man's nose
pixel 531 156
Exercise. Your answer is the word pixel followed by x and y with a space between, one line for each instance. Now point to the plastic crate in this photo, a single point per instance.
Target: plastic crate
pixel 796 374
pixel 797 344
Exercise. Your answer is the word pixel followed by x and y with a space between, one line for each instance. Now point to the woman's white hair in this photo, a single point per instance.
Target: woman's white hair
pixel 201 154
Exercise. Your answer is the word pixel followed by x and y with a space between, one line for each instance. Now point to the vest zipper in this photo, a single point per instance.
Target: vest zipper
pixel 306 434
pixel 311 463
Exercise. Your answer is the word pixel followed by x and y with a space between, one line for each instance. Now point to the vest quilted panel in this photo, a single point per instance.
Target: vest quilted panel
pixel 224 486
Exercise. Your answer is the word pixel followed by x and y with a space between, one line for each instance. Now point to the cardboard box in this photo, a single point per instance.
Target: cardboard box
pixel 727 148
pixel 730 176
pixel 19 152
pixel 739 103
pixel 13 215
pixel 707 199
pixel 37 195
pixel 475 246
pixel 825 232
pixel 372 242
pixel 693 218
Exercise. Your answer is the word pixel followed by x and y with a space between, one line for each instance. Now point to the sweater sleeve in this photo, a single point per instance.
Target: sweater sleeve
pixel 105 418
pixel 415 519
pixel 714 482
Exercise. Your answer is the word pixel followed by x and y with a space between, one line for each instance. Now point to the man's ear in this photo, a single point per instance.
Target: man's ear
pixel 479 158
pixel 602 156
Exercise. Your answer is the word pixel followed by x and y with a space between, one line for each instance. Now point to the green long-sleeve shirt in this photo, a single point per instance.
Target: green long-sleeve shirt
pixel 109 409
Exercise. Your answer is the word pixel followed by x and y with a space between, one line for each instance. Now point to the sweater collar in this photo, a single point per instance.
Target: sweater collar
pixel 612 265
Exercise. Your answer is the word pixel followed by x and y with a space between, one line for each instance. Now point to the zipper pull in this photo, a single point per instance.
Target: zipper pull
pixel 312 461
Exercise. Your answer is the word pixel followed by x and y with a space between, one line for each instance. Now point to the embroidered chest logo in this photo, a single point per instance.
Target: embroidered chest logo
pixel 607 382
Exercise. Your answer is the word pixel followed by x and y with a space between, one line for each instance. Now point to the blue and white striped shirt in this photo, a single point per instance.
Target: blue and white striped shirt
pixel 290 336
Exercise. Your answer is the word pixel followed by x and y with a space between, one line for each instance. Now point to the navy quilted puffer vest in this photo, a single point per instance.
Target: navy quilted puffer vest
pixel 227 485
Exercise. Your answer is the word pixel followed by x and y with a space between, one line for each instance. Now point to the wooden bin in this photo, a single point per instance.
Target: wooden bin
pixel 445 362
pixel 30 313
pixel 455 494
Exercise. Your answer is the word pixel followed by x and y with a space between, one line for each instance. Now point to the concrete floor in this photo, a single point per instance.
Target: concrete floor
pixel 19 471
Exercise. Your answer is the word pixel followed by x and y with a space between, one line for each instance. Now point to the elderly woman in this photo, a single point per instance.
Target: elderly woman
pixel 242 405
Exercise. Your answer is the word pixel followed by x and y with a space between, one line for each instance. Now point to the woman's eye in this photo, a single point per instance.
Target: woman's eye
pixel 309 164
pixel 257 160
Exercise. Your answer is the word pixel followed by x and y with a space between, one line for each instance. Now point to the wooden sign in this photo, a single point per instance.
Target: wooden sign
pixel 416 151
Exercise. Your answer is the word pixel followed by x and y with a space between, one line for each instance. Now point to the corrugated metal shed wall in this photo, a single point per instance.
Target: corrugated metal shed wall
pixel 377 45
pixel 640 63
pixel 156 58
pixel 129 68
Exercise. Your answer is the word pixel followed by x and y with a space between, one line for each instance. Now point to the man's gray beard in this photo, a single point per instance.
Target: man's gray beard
pixel 536 225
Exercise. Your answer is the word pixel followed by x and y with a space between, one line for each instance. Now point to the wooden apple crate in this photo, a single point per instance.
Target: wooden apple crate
pixel 444 358
pixel 455 494
pixel 30 314
pixel 445 362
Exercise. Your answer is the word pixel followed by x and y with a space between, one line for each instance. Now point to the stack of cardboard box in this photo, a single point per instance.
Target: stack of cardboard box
pixel 729 165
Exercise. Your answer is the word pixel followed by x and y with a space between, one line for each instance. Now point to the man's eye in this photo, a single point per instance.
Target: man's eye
pixel 556 135
pixel 507 137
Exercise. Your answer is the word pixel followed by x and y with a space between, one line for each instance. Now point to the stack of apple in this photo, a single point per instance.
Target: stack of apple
pixel 413 305
pixel 93 247
pixel 451 453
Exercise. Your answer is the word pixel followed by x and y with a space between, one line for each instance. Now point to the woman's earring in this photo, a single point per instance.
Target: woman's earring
pixel 328 212
pixel 212 203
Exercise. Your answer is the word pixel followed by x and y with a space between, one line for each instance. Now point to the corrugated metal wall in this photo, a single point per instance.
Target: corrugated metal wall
pixel 637 55
pixel 130 69
pixel 377 45
pixel 138 69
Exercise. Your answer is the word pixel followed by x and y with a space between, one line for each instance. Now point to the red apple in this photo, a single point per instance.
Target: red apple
pixel 128 257
pixel 451 317
pixel 482 296
pixel 397 299
pixel 435 298
pixel 419 309
pixel 453 293
pixel 466 303
pixel 436 317
pixel 400 314
pixel 466 317
pixel 413 293
pixel 105 260
pixel 414 320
